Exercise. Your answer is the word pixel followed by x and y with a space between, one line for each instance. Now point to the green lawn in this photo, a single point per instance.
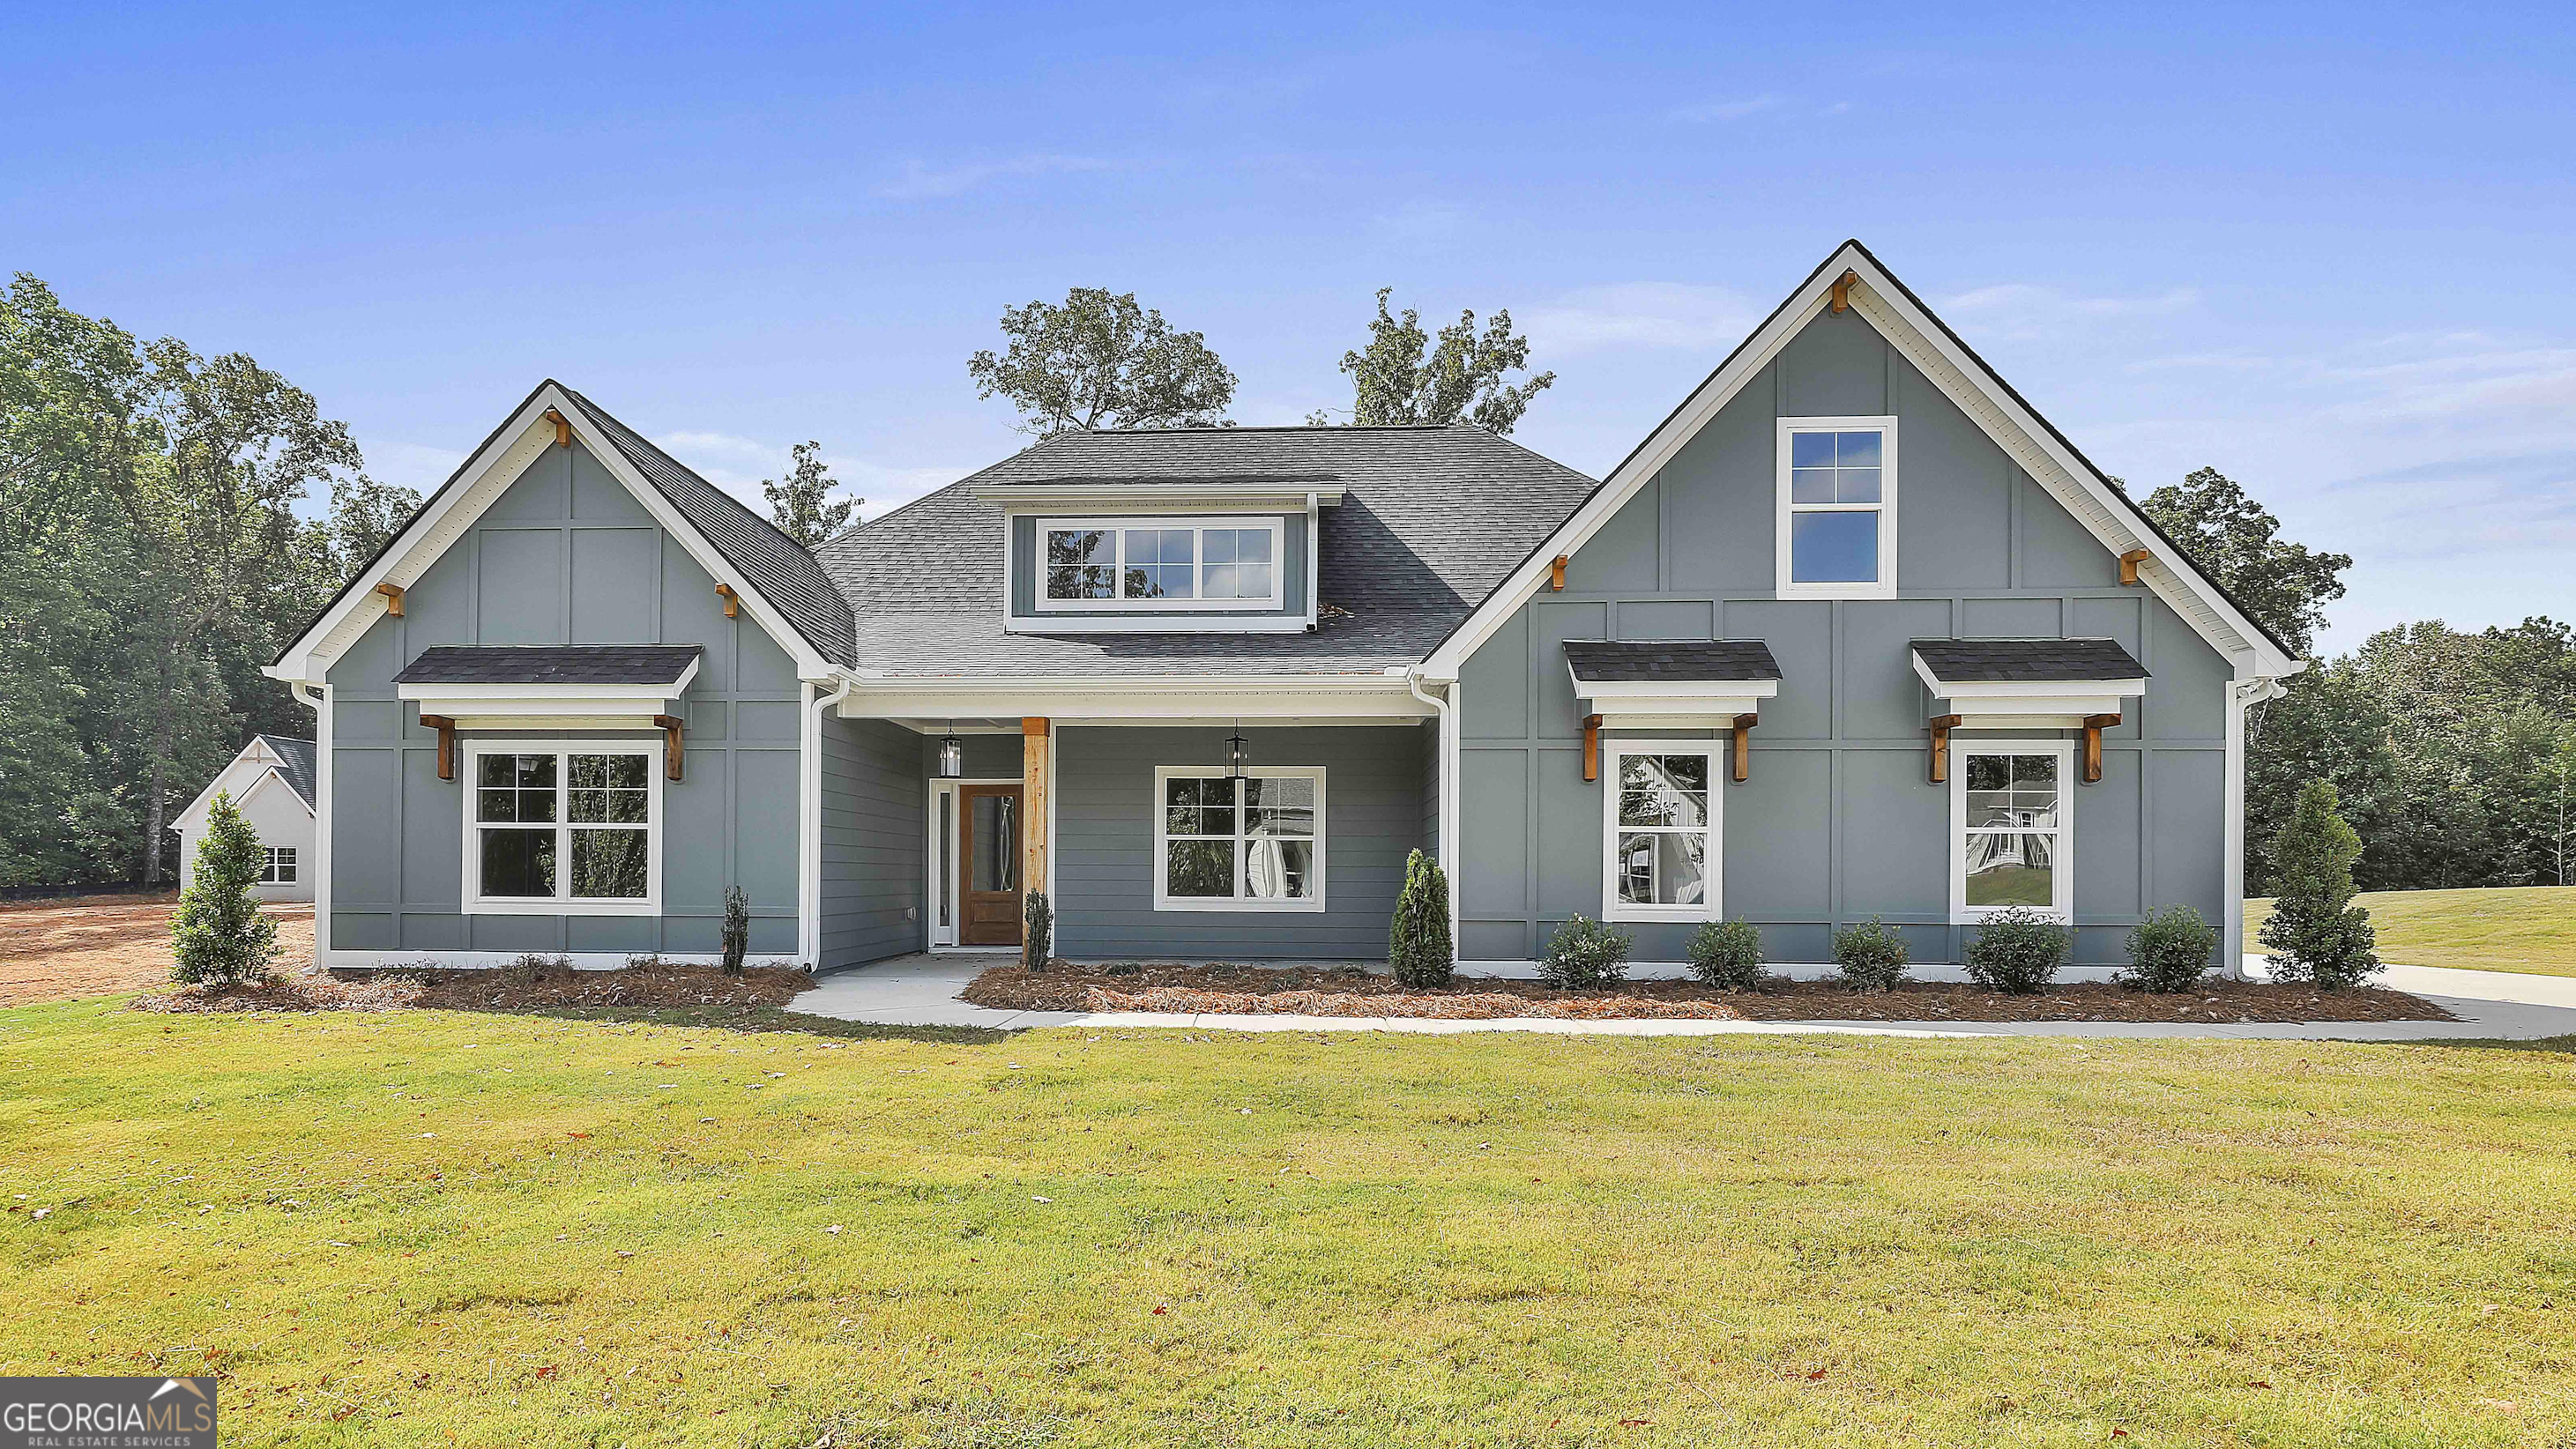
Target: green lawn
pixel 416 1229
pixel 2526 928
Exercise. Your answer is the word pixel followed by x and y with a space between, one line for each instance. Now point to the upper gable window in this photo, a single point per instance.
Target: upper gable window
pixel 1156 563
pixel 1837 535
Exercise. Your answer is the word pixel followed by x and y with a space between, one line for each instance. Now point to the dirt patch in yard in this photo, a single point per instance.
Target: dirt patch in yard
pixel 99 945
pixel 1258 991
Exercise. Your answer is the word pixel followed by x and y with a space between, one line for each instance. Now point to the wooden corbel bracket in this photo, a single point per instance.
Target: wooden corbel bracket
pixel 1740 766
pixel 672 728
pixel 1842 290
pixel 2094 724
pixel 2129 564
pixel 446 728
pixel 563 428
pixel 732 600
pixel 1940 725
pixel 1556 573
pixel 1591 748
pixel 393 599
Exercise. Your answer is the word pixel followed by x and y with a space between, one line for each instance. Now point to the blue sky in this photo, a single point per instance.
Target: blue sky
pixel 2326 251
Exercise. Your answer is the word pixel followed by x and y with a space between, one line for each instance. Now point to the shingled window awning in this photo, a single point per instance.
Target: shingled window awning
pixel 550 686
pixel 1671 684
pixel 2027 684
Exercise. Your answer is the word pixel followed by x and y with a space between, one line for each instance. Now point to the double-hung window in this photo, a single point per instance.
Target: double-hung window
pixel 2009 828
pixel 1159 563
pixel 1253 842
pixel 1662 833
pixel 572 829
pixel 277 865
pixel 1837 507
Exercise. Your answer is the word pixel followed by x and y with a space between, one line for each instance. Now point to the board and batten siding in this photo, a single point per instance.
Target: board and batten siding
pixel 1104 841
pixel 1838 821
pixel 873 842
pixel 566 556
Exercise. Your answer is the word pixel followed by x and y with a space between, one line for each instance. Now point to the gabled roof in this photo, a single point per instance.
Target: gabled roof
pixel 2053 661
pixel 1431 520
pixel 295 765
pixel 779 580
pixel 2031 441
pixel 551 664
pixel 1670 661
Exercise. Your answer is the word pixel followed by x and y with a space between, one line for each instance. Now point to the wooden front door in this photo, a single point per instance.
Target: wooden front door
pixel 988 828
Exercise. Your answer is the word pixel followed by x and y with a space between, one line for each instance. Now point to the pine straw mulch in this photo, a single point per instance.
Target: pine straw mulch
pixel 1325 991
pixel 550 987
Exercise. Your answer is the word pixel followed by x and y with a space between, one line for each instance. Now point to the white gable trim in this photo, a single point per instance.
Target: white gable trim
pixel 258 758
pixel 453 511
pixel 1884 303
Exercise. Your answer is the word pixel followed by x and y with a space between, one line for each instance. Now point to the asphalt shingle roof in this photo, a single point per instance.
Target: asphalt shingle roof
pixel 297 765
pixel 1963 661
pixel 1432 520
pixel 550 664
pixel 1679 661
pixel 775 566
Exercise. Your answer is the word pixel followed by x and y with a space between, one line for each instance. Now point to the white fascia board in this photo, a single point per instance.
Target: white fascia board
pixel 1164 698
pixel 465 497
pixel 1144 621
pixel 195 810
pixel 268 776
pixel 1015 499
pixel 2030 696
pixel 1630 691
pixel 1970 385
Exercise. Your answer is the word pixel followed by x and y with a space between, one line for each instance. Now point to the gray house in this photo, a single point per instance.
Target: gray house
pixel 1853 633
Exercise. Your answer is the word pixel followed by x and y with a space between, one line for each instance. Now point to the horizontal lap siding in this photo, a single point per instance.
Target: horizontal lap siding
pixel 1104 841
pixel 873 880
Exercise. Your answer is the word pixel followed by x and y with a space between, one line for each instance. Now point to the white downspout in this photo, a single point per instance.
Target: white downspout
pixel 1445 772
pixel 2242 694
pixel 319 701
pixel 809 932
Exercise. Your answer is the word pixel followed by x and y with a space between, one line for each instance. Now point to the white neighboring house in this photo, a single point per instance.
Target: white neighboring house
pixel 271 782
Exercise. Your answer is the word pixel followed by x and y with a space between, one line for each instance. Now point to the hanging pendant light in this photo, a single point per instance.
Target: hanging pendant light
pixel 1235 753
pixel 952 756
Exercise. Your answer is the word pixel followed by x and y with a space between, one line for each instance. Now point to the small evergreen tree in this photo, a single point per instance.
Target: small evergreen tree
pixel 737 929
pixel 2316 933
pixel 1418 949
pixel 1037 935
pixel 219 937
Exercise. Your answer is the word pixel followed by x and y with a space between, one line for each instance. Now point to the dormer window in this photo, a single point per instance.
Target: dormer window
pixel 1157 562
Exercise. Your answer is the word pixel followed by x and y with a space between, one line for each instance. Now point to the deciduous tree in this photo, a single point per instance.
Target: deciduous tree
pixel 1099 360
pixel 801 503
pixel 1405 375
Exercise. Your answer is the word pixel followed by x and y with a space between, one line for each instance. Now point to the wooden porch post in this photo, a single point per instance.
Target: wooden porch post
pixel 1037 738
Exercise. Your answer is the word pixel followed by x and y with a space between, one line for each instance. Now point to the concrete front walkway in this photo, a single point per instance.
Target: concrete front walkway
pixel 922 991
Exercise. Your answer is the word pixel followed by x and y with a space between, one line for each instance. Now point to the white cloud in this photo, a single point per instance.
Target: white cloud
pixel 1639 314
pixel 2022 311
pixel 921 181
pixel 1726 110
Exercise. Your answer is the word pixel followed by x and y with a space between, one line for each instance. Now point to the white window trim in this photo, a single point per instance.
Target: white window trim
pixel 2062 880
pixel 1885 586
pixel 279 865
pixel 1613 752
pixel 1162 840
pixel 1117 528
pixel 477 904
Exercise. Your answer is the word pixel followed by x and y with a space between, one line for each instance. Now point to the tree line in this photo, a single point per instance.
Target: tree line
pixel 154 553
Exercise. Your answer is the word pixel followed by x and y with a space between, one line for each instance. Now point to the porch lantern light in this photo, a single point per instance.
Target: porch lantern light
pixel 1234 753
pixel 952 756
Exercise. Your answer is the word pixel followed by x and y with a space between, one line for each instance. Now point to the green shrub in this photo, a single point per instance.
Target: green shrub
pixel 737 929
pixel 1871 955
pixel 1583 954
pixel 2316 933
pixel 2017 950
pixel 2169 950
pixel 219 937
pixel 1417 946
pixel 1037 932
pixel 1727 955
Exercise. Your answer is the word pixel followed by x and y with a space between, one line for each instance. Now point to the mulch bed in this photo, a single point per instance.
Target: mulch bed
pixel 507 988
pixel 1312 991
